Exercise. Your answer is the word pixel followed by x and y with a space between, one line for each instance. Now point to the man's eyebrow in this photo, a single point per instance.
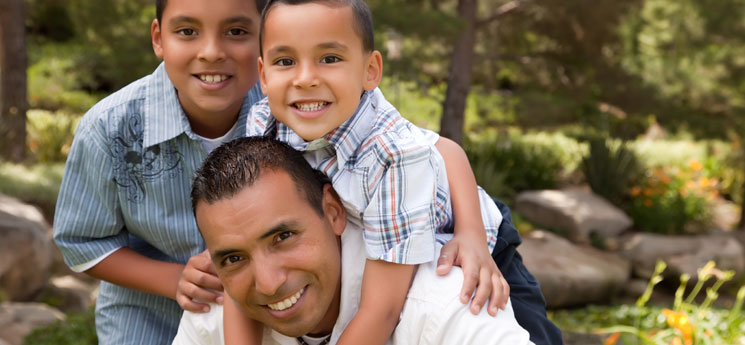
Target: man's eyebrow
pixel 279 228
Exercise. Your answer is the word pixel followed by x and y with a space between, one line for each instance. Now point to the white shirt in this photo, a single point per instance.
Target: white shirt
pixel 432 313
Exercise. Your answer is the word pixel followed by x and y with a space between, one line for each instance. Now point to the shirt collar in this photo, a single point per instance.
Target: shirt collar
pixel 165 118
pixel 345 139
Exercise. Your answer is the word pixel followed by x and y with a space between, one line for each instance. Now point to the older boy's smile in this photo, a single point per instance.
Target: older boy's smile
pixel 314 74
pixel 213 78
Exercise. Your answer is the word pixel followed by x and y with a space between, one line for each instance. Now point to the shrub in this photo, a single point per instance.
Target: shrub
pixel 668 199
pixel 609 168
pixel 50 134
pixel 37 184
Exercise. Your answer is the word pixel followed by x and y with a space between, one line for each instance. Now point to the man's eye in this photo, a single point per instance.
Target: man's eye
pixel 330 59
pixel 284 62
pixel 231 259
pixel 236 32
pixel 186 32
pixel 283 236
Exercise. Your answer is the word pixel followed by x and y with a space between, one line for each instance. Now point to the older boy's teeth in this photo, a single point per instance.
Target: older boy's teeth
pixel 288 302
pixel 213 78
pixel 310 106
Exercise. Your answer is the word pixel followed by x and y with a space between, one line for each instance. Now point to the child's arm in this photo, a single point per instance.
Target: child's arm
pixel 199 284
pixel 384 289
pixel 239 328
pixel 468 247
pixel 130 269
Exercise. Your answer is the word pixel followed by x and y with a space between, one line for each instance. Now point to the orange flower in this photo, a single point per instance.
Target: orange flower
pixel 635 191
pixel 648 191
pixel 665 179
pixel 676 341
pixel 679 320
pixel 612 339
pixel 647 203
pixel 695 165
pixel 704 182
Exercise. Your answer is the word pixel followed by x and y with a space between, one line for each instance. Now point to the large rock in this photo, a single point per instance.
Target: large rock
pixel 19 319
pixel 683 254
pixel 25 250
pixel 572 274
pixel 576 212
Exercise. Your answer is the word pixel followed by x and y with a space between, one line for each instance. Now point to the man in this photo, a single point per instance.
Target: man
pixel 278 237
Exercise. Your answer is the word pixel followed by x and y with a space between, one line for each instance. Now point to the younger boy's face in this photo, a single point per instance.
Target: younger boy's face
pixel 210 49
pixel 314 68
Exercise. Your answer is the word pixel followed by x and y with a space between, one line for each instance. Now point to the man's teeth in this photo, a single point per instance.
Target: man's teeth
pixel 310 106
pixel 213 78
pixel 289 302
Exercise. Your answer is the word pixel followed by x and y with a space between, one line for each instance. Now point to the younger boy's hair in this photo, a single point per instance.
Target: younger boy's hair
pixel 160 6
pixel 361 13
pixel 237 164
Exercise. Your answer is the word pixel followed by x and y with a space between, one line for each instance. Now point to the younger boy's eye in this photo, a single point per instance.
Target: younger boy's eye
pixel 231 259
pixel 284 62
pixel 330 59
pixel 283 236
pixel 186 32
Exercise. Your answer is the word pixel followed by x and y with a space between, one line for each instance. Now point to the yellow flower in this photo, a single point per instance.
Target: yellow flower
pixel 676 341
pixel 612 339
pixel 703 182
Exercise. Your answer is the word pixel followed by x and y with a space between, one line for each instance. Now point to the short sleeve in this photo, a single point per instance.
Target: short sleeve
pixel 201 328
pixel 88 222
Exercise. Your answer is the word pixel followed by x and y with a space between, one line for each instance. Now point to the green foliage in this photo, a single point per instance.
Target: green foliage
pixel 685 322
pixel 609 168
pixel 78 329
pixel 513 163
pixel 36 184
pixel 667 200
pixel 50 134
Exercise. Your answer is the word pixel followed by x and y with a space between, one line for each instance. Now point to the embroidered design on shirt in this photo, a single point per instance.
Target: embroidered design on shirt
pixel 134 165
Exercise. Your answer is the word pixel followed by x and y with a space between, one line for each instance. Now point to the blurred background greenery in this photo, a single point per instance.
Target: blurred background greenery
pixel 642 100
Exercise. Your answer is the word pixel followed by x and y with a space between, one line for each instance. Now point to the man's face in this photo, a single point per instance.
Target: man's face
pixel 210 50
pixel 314 68
pixel 277 258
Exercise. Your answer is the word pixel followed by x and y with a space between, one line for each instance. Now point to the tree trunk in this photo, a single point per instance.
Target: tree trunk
pixel 13 103
pixel 741 226
pixel 459 77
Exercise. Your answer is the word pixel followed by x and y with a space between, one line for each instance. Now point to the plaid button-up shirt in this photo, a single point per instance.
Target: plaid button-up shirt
pixel 389 176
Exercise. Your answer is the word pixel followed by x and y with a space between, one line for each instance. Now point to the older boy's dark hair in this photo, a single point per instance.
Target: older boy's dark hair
pixel 238 164
pixel 160 6
pixel 361 12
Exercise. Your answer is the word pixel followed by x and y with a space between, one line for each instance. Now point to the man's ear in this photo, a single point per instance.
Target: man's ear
pixel 155 35
pixel 333 210
pixel 262 78
pixel 373 70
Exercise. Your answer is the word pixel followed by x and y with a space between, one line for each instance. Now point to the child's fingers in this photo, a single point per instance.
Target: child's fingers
pixel 192 306
pixel 470 279
pixel 447 258
pixel 483 292
pixel 499 294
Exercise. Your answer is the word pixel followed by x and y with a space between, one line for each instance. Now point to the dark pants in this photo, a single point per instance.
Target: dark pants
pixel 525 293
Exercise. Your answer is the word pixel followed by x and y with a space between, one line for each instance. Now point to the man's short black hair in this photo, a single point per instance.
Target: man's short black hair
pixel 361 14
pixel 238 164
pixel 160 6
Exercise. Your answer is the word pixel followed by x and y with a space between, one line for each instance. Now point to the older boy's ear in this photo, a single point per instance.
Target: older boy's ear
pixel 373 70
pixel 156 38
pixel 333 210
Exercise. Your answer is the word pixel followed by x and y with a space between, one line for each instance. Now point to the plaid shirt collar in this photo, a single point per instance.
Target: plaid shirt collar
pixel 345 139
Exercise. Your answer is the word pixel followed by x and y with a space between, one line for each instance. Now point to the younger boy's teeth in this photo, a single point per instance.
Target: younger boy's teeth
pixel 313 106
pixel 212 78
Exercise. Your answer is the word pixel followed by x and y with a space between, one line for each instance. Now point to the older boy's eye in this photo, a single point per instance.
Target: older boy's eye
pixel 231 259
pixel 283 236
pixel 186 32
pixel 236 32
pixel 330 59
pixel 284 62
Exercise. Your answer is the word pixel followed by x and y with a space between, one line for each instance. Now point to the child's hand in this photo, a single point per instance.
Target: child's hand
pixel 479 270
pixel 199 285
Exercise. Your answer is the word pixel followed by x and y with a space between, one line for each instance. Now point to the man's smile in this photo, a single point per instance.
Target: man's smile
pixel 286 303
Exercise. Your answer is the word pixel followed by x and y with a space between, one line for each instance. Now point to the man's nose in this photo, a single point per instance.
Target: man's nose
pixel 212 50
pixel 269 276
pixel 307 75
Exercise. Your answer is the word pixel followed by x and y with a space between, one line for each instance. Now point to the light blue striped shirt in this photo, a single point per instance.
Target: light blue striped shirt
pixel 127 183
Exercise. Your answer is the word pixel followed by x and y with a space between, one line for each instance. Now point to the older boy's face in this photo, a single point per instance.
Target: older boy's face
pixel 277 258
pixel 210 49
pixel 314 68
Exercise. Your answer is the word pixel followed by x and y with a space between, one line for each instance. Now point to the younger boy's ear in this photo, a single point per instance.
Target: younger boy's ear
pixel 262 78
pixel 156 38
pixel 373 70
